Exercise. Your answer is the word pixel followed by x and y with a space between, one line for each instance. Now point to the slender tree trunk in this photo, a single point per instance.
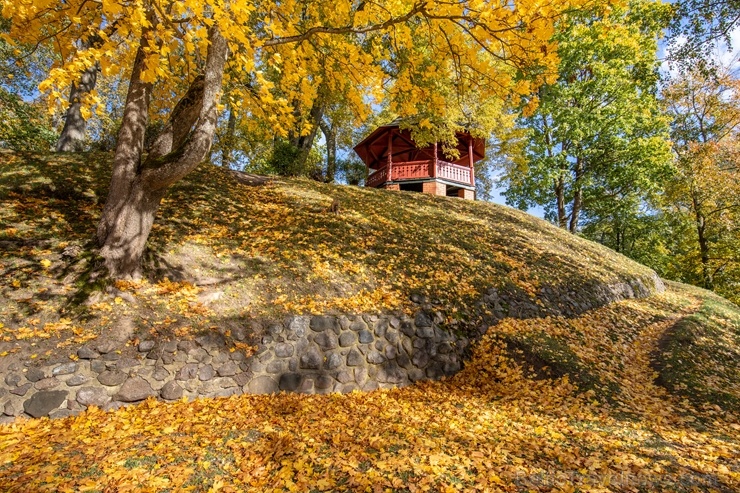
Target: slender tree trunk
pixel 577 197
pixel 559 182
pixel 706 271
pixel 559 186
pixel 304 143
pixel 228 146
pixel 73 134
pixel 331 150
pixel 137 190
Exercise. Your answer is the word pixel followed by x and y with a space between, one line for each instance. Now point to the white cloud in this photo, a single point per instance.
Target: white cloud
pixel 722 54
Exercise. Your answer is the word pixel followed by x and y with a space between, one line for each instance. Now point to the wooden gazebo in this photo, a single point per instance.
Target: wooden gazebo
pixel 395 162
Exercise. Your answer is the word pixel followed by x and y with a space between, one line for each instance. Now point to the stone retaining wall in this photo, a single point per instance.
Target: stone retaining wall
pixel 568 301
pixel 312 354
pixel 340 354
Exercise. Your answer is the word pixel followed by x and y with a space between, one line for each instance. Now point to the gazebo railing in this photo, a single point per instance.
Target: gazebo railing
pixel 411 170
pixel 377 178
pixel 414 170
pixel 453 172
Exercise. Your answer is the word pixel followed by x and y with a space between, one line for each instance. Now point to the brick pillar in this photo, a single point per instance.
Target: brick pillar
pixel 392 186
pixel 434 188
pixel 466 194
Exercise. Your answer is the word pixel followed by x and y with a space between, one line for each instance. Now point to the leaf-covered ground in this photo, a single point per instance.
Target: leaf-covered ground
pixel 637 396
pixel 496 426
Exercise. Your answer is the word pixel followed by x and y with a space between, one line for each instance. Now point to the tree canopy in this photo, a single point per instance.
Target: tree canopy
pixel 284 56
pixel 705 193
pixel 699 27
pixel 442 65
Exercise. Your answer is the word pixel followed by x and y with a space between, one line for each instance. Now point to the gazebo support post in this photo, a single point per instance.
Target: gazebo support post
pixel 390 156
pixel 470 160
pixel 433 174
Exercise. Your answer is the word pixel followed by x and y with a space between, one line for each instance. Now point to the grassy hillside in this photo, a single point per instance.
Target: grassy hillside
pixel 699 356
pixel 640 395
pixel 274 249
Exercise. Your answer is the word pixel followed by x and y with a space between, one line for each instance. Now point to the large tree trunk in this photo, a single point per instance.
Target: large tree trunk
pixel 331 150
pixel 124 247
pixel 73 134
pixel 137 190
pixel 130 144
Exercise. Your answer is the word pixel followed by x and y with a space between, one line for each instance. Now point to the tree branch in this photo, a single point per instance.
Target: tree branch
pixel 178 163
pixel 418 9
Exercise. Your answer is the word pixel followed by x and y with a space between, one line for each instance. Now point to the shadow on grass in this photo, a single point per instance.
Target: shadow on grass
pixel 698 356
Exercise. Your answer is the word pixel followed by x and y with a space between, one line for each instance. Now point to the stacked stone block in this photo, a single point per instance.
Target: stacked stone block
pixel 309 354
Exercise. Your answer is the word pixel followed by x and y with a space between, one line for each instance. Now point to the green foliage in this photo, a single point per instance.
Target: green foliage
pixel 284 157
pixel 698 27
pixel 285 161
pixel 703 197
pixel 687 229
pixel 23 126
pixel 642 235
pixel 23 123
pixel 351 170
pixel 504 150
pixel 597 135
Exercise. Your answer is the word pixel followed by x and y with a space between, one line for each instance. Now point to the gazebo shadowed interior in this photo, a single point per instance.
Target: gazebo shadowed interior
pixel 395 162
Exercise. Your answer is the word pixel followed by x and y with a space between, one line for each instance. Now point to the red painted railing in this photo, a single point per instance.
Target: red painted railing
pixel 377 178
pixel 414 170
pixel 411 170
pixel 453 172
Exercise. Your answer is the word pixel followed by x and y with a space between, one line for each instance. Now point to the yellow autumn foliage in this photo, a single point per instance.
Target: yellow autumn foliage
pixel 432 59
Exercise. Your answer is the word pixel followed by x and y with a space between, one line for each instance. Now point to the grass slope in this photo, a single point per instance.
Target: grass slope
pixel 699 357
pixel 275 249
pixel 636 396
